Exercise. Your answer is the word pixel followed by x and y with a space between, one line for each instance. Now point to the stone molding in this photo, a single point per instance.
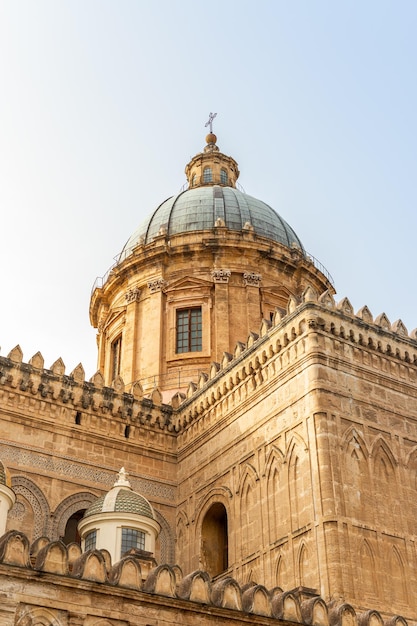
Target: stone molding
pixel 220 275
pixel 156 285
pixel 132 295
pixel 66 466
pixel 251 279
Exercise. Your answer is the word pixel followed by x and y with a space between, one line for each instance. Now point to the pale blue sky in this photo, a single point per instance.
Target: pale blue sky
pixel 103 103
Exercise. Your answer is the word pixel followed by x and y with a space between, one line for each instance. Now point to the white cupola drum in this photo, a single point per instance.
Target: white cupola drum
pixel 119 521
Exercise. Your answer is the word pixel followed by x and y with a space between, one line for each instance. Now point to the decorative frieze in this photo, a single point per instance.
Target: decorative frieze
pixel 252 279
pixel 156 285
pixel 132 295
pixel 220 275
pixel 24 457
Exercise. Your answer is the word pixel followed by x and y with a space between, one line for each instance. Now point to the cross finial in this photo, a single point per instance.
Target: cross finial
pixel 210 121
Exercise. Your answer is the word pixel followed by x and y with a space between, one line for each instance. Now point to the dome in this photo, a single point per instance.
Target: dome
pixel 121 499
pixel 205 207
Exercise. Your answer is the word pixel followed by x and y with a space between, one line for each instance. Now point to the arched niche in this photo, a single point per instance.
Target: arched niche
pixel 214 540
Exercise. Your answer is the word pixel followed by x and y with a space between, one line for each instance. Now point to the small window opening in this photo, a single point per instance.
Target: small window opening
pixel 194 180
pixel 223 177
pixel 189 330
pixel 78 418
pixel 132 538
pixel 116 351
pixel 207 175
pixel 271 316
pixel 127 431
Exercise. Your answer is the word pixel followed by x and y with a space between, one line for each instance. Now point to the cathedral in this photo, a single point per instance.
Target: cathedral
pixel 245 454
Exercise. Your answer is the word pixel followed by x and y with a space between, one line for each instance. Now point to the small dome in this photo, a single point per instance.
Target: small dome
pixel 202 207
pixel 121 499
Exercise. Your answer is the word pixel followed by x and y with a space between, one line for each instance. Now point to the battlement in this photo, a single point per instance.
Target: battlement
pixel 277 346
pixel 129 587
pixel 50 394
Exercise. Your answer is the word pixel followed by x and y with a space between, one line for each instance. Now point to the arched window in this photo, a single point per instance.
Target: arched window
pixel 214 541
pixel 194 180
pixel 207 175
pixel 223 177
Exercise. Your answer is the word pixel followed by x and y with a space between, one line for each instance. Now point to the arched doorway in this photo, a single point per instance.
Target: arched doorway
pixel 71 529
pixel 214 540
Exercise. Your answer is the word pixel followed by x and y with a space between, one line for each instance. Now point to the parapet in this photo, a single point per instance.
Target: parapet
pixel 54 563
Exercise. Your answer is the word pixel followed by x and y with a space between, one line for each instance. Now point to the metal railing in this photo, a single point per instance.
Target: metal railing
pixel 173 379
pixel 100 281
pixel 320 267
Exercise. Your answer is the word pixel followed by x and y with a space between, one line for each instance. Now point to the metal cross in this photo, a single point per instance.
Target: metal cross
pixel 210 121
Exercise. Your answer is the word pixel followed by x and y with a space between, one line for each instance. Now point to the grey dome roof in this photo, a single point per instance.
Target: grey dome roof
pixel 199 208
pixel 121 500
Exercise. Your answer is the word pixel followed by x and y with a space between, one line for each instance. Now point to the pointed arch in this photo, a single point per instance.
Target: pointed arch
pixel 181 539
pixel 248 472
pixel 381 447
pixel 249 514
pixel 305 566
pixel 367 580
pixel 296 441
pixel 277 495
pixel 386 485
pixel 352 438
pixel 299 485
pixel 281 572
pixel 356 476
pixel 410 485
pixel 397 591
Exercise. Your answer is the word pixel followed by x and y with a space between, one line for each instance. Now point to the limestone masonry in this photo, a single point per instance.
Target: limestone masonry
pixel 267 436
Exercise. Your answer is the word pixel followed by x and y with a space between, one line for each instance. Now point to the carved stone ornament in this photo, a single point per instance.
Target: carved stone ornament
pixel 220 276
pixel 252 279
pixel 132 295
pixel 156 285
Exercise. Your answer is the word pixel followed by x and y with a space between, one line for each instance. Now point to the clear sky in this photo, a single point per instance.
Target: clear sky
pixel 102 103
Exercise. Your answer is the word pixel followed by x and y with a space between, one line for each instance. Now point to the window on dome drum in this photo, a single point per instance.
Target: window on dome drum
pixel 207 175
pixel 223 177
pixel 194 180
pixel 116 352
pixel 90 541
pixel 189 330
pixel 132 538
